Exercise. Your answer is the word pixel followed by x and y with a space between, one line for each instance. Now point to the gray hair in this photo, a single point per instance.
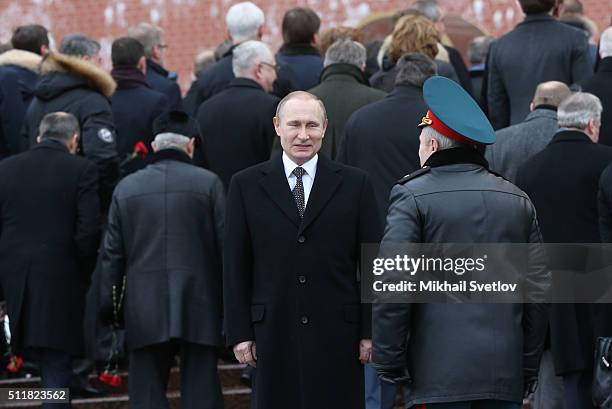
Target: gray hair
pixel 479 48
pixel 605 43
pixel 60 126
pixel 428 8
pixel 414 69
pixel 444 142
pixel 170 140
pixel 243 21
pixel 346 51
pixel 303 95
pixel 578 109
pixel 79 45
pixel 148 35
pixel 249 54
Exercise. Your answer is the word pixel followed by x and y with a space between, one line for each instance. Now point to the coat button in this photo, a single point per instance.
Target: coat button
pixel 302 279
pixel 304 320
pixel 301 239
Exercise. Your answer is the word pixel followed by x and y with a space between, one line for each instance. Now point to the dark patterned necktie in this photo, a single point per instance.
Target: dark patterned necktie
pixel 298 190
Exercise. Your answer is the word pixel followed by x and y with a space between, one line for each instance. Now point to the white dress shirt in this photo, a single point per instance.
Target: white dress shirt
pixel 310 169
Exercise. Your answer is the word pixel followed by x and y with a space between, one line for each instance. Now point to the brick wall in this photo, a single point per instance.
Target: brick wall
pixel 195 25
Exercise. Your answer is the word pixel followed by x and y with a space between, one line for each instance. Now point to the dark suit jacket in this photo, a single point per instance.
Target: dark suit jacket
pixel 49 230
pixel 380 140
pixel 134 110
pixel 237 128
pixel 157 76
pixel 291 285
pixel 539 49
pixel 164 235
pixel 600 84
pixel 562 182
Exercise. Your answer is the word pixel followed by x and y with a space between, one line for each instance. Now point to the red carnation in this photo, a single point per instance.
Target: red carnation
pixel 112 380
pixel 141 149
pixel 15 364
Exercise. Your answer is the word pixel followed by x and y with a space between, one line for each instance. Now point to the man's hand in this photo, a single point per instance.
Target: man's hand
pixel 246 353
pixel 365 351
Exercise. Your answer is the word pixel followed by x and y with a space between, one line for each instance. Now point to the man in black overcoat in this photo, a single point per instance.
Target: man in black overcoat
pixel 135 104
pixel 600 85
pixel 237 128
pixel 377 139
pixel 49 231
pixel 539 49
pixel 295 225
pixel 164 236
pixel 562 181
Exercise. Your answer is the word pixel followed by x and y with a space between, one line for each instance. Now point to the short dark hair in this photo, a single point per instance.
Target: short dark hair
pixel 30 38
pixel 60 126
pixel 126 52
pixel 300 24
pixel 414 69
pixel 536 6
pixel 79 45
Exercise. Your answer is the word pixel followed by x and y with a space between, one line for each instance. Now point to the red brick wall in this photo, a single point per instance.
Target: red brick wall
pixel 194 25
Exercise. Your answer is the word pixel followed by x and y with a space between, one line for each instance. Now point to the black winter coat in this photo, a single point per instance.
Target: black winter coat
pixel 563 182
pixel 164 234
pixel 462 352
pixel 600 84
pixel 237 128
pixel 292 287
pixel 135 106
pixel 539 49
pixel 82 89
pixel 18 76
pixel 381 139
pixel 157 76
pixel 49 231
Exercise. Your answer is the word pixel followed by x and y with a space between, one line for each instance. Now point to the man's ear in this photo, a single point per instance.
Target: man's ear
pixel 260 32
pixel 325 123
pixel 38 139
pixel 191 147
pixel 154 146
pixel 142 64
pixel 44 50
pixel 228 35
pixel 276 122
pixel 435 146
pixel 531 107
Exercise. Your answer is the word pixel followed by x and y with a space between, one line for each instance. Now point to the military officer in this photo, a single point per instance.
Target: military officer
pixel 468 355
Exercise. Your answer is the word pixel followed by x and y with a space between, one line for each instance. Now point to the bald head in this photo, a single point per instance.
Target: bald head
pixel 303 96
pixel 605 43
pixel 550 93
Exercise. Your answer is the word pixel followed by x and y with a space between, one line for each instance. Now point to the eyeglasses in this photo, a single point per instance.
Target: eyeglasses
pixel 267 64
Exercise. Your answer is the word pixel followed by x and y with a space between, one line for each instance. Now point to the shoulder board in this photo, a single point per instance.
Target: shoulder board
pixel 413 175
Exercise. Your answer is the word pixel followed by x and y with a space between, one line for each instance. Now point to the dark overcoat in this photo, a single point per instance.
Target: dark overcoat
pixel 539 49
pixel 600 85
pixel 382 138
pixel 237 128
pixel 563 182
pixel 132 124
pixel 292 287
pixel 164 234
pixel 157 76
pixel 304 62
pixel 18 76
pixel 462 352
pixel 49 231
pixel 343 90
pixel 82 89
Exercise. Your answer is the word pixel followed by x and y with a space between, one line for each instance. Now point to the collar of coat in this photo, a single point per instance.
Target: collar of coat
pixel 171 154
pixel 245 83
pixel 570 135
pixel 343 71
pixel 538 17
pixel 153 66
pixel 298 49
pixel 453 156
pixel 96 76
pixel 52 144
pixel 21 58
pixel 605 65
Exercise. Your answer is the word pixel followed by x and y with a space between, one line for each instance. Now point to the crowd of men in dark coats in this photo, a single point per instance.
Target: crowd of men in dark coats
pixel 114 228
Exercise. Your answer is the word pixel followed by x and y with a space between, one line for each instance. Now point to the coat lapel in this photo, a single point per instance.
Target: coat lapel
pixel 275 184
pixel 327 180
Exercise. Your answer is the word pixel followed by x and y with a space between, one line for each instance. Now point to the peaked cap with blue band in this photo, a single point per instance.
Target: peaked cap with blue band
pixel 454 113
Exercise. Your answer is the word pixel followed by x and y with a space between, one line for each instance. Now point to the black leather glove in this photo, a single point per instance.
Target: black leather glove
pixel 395 376
pixel 530 387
